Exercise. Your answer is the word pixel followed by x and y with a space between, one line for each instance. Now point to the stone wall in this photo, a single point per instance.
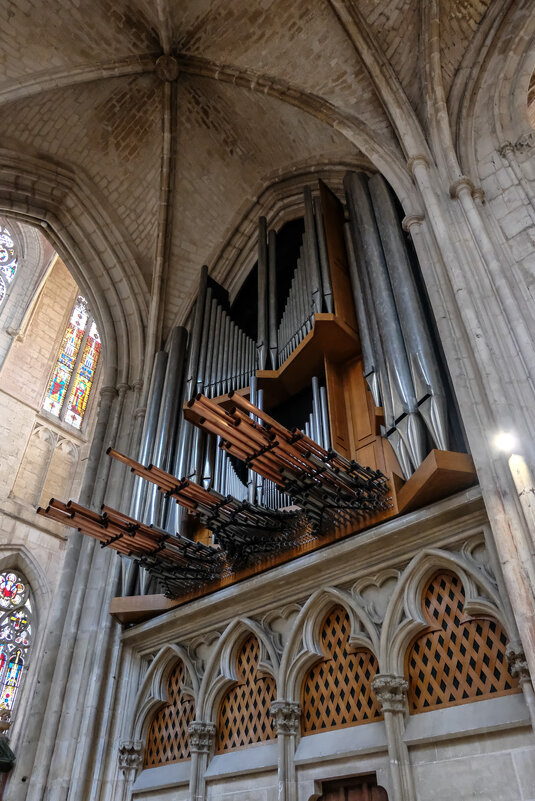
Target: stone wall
pixel 483 748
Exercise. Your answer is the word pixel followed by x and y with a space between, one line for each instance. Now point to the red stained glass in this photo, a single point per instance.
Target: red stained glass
pixel 15 635
pixel 72 339
pixel 84 379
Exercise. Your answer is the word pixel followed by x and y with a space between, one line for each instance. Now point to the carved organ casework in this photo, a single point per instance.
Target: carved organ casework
pixel 311 405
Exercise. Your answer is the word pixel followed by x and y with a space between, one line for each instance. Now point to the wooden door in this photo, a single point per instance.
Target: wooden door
pixel 357 790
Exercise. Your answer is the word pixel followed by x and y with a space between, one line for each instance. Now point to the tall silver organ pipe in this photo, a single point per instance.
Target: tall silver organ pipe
pixel 311 253
pixel 272 297
pixel 262 339
pixel 370 368
pixel 407 420
pixel 150 425
pixel 323 257
pixel 429 388
pixel 168 417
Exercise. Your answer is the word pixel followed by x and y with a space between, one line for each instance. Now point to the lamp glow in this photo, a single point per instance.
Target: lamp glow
pixel 505 441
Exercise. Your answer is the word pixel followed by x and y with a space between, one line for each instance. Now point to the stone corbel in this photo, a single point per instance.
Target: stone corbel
pixel 130 756
pixel 287 716
pixel 201 737
pixel 391 692
pixel 518 666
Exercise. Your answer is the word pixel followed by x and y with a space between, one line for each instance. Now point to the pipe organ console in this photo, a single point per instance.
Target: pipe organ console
pixel 296 410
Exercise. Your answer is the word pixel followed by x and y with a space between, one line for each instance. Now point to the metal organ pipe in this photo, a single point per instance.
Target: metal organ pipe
pixel 272 280
pixel 407 421
pixel 149 428
pixel 169 414
pixel 368 356
pixel 311 250
pixel 323 257
pixel 262 338
pixel 430 393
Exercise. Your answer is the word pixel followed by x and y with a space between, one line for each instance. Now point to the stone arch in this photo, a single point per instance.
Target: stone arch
pixel 35 191
pixel 303 647
pixel 507 73
pixel 20 559
pixel 61 471
pixel 220 673
pixel 34 464
pixel 152 694
pixel 404 619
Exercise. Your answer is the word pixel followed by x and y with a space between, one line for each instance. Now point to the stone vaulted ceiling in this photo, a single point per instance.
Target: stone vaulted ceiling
pixel 262 87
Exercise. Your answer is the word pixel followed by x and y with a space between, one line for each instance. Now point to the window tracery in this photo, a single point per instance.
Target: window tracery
pixel 168 737
pixel 337 691
pixel 459 657
pixel 70 385
pixel 8 261
pixel 244 713
pixel 15 636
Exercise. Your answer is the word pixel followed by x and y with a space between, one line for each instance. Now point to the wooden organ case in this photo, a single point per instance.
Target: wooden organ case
pixel 311 407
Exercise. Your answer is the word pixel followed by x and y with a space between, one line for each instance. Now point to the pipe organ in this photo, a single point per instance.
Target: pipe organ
pixel 274 420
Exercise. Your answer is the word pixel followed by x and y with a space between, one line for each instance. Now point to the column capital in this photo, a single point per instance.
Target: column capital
pixel 461 184
pixel 391 692
pixel 410 220
pixel 287 716
pixel 517 662
pixel 108 392
pixel 506 149
pixel 130 755
pixel 418 158
pixel 201 736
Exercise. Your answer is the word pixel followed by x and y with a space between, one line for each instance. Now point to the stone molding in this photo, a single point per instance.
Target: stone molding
pixel 201 736
pixel 391 692
pixel 462 183
pixel 130 755
pixel 287 715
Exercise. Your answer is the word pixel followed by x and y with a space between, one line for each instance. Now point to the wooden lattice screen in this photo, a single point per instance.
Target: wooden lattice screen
pixel 337 691
pixel 459 658
pixel 168 737
pixel 244 717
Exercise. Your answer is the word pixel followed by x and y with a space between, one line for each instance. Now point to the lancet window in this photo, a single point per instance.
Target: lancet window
pixel 8 261
pixel 73 376
pixel 337 691
pixel 15 636
pixel 168 736
pixel 244 713
pixel 459 657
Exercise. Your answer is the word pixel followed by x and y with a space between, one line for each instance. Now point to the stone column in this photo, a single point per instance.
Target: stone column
pixel 130 757
pixel 391 692
pixel 29 776
pixel 287 716
pixel 202 739
pixel 519 669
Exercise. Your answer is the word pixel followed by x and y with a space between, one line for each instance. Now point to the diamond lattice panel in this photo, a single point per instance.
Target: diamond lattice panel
pixel 244 717
pixel 459 658
pixel 168 738
pixel 337 691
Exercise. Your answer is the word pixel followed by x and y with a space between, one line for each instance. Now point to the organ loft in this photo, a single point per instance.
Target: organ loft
pixel 266 390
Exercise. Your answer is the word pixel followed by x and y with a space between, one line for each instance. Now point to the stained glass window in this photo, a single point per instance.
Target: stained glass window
pixel 84 379
pixel 15 636
pixel 74 372
pixel 8 261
